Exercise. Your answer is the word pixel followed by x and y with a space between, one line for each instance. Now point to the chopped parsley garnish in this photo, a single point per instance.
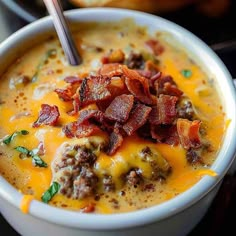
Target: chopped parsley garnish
pixel 38 161
pixel 23 150
pixel 186 73
pixel 53 189
pixel 25 153
pixel 48 54
pixel 9 138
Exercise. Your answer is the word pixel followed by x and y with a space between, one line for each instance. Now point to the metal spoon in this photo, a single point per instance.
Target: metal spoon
pixel 55 10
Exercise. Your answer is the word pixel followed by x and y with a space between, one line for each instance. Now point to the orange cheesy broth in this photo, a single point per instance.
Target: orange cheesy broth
pixel 127 36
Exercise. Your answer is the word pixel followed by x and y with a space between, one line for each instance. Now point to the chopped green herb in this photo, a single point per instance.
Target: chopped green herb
pixel 37 160
pixel 53 189
pixel 9 138
pixel 23 150
pixel 186 73
pixel 48 54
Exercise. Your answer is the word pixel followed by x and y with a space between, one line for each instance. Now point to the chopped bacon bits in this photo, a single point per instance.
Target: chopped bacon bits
pixel 94 88
pixel 111 69
pixel 64 94
pixel 70 129
pixel 115 142
pixel 76 106
pixel 48 115
pixel 137 85
pixel 88 114
pixel 165 134
pixel 188 132
pixel 127 101
pixel 166 109
pixel 86 129
pixel 120 108
pixel 79 130
pixel 137 119
pixel 85 125
pixel 172 90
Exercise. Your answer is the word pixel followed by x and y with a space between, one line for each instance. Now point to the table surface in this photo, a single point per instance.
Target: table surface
pixel 220 215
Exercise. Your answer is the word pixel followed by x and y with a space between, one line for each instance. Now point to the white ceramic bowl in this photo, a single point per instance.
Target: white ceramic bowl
pixel 172 218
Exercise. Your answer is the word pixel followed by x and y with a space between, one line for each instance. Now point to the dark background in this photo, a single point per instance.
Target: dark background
pixel 220 34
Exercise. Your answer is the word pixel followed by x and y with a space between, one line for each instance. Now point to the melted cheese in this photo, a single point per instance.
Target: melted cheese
pixel 25 203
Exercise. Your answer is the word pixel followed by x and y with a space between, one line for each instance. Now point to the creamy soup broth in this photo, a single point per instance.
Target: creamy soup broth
pixel 31 81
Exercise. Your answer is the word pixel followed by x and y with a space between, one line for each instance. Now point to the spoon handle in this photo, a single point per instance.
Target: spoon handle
pixel 55 10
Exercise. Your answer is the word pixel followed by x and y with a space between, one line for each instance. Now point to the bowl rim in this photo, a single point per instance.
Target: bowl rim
pixel 154 213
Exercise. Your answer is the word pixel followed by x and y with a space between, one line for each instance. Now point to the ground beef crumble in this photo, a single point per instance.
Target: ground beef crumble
pixel 74 168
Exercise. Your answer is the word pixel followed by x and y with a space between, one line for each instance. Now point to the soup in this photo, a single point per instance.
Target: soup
pixel 136 124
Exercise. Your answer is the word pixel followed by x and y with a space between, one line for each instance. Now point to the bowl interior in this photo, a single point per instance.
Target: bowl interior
pixel 206 58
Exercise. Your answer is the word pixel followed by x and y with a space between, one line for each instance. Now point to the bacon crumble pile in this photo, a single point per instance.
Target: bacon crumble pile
pixel 140 100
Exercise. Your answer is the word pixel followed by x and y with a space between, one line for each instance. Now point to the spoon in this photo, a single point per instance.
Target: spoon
pixel 55 10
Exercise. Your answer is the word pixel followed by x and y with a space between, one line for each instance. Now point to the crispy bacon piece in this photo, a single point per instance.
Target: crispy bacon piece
pixel 165 79
pixel 137 85
pixel 145 73
pixel 166 109
pixel 155 77
pixel 79 130
pixel 111 69
pixel 154 116
pixel 70 129
pixel 89 114
pixel 137 119
pixel 165 134
pixel 172 90
pixel 154 46
pixel 64 94
pixel 67 94
pixel 76 106
pixel 86 129
pixel 188 132
pixel 84 126
pixel 164 112
pixel 48 115
pixel 116 88
pixel 94 88
pixel 166 85
pixel 120 108
pixel 115 141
